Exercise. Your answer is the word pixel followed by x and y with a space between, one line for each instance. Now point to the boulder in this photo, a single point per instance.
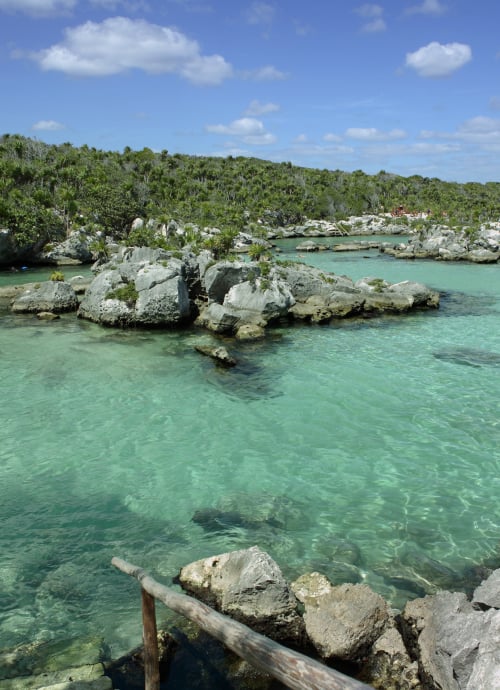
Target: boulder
pixel 388 664
pixel 454 643
pixel 74 250
pixel 488 592
pixel 250 331
pixel 138 293
pixel 342 622
pixel 219 278
pixel 49 296
pixel 248 586
pixel 483 256
pixel 262 300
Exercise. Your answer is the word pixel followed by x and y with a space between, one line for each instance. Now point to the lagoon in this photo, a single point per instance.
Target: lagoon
pixel 381 434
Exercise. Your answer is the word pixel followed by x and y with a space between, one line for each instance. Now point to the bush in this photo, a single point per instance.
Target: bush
pixel 126 293
pixel 57 276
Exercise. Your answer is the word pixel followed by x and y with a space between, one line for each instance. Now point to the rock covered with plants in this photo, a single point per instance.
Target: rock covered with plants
pixel 479 244
pixel 140 286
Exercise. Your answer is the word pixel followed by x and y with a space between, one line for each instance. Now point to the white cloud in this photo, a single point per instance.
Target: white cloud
pixel 260 13
pixel 119 44
pixel 48 126
pixel 257 108
pixel 373 134
pixel 438 60
pixel 38 8
pixel 331 137
pixel 268 73
pixel 374 14
pixel 248 129
pixel 428 7
pixel 301 139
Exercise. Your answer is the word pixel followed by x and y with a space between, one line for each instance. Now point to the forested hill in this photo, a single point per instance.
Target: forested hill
pixel 51 188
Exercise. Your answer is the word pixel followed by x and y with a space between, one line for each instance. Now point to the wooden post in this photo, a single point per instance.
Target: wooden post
pixel 294 670
pixel 150 638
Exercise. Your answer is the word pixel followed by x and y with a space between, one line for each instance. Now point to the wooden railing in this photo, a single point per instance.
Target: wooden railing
pixel 294 670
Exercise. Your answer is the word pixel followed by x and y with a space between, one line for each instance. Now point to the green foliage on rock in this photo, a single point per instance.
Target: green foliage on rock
pixel 126 293
pixel 57 276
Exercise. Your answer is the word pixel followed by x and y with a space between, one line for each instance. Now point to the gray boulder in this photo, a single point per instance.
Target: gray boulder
pixel 263 299
pixel 488 592
pixel 341 622
pixel 249 586
pixel 219 278
pixel 74 250
pixel 483 256
pixel 50 296
pixel 146 294
pixel 455 644
pixel 388 664
pixel 307 281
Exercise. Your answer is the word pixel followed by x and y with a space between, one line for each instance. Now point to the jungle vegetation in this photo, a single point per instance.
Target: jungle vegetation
pixel 47 190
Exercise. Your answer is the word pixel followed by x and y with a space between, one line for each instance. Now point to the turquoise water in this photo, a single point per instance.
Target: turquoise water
pixel 377 437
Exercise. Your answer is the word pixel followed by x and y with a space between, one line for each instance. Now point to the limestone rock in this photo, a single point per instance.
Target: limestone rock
pixel 53 296
pixel 388 665
pixel 345 621
pixel 488 592
pixel 249 331
pixel 219 278
pixel 453 641
pixel 249 586
pixel 219 354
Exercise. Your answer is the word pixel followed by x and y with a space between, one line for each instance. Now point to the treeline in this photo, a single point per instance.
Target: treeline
pixel 47 190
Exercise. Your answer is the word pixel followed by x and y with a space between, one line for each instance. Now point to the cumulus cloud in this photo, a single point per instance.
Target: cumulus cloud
pixel 119 44
pixel 373 134
pixel 267 73
pixel 47 126
pixel 258 108
pixel 438 60
pixel 38 8
pixel 372 13
pixel 248 129
pixel 435 7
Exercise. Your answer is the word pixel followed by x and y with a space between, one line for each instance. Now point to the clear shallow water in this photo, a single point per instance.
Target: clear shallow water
pixel 356 433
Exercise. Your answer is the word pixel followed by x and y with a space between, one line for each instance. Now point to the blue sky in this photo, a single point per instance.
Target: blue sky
pixel 406 86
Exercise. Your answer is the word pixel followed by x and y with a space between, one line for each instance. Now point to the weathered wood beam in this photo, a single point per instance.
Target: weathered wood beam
pixel 295 670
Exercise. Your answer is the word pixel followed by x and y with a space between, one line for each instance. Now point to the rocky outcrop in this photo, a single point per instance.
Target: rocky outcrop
pixel 342 622
pixel 49 296
pixel 440 642
pixel 76 249
pixel 146 287
pixel 249 586
pixel 446 244
pixel 456 645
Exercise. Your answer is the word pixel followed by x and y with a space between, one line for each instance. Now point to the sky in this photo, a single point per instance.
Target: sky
pixel 411 87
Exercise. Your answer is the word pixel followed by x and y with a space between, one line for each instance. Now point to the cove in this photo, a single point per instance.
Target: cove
pixel 348 443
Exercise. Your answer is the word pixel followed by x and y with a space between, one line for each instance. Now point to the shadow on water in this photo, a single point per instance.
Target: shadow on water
pixel 469 357
pixel 454 303
pixel 255 375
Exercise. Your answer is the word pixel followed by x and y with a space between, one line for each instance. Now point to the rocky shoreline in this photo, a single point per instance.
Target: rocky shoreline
pixel 443 641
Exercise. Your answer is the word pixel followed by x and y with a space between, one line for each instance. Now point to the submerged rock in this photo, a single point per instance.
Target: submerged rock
pixel 219 354
pixel 469 357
